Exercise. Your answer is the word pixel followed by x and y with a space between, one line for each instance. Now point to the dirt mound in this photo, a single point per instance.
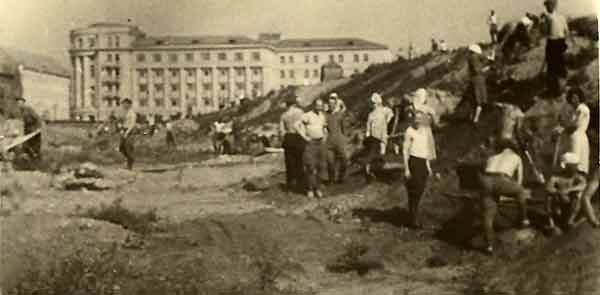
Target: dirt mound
pixel 38 241
pixel 568 265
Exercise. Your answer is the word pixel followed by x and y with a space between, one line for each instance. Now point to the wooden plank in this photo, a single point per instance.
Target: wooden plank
pixel 20 140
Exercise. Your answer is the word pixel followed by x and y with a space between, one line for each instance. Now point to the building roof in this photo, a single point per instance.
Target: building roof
pixel 11 58
pixel 349 43
pixel 110 24
pixel 153 41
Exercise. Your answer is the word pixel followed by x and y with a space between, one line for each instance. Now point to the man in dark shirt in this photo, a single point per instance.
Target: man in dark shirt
pixel 31 122
pixel 477 69
pixel 336 142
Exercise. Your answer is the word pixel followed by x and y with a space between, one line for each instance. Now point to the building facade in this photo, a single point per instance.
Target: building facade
pixel 41 80
pixel 198 74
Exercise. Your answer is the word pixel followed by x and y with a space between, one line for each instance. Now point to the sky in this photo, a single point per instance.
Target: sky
pixel 42 26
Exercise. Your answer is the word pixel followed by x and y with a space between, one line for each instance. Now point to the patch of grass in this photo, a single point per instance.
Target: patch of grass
pixel 351 260
pixel 116 213
pixel 85 273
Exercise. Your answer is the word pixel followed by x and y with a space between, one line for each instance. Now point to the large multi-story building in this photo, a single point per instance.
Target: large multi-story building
pixel 197 74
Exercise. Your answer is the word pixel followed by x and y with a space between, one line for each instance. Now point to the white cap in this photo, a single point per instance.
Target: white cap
pixel 475 48
pixel 333 95
pixel 526 21
pixel 568 158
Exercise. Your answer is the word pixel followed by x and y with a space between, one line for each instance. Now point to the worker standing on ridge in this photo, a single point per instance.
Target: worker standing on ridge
pixel 493 23
pixel 418 152
pixel 477 71
pixel 312 127
pixel 557 30
pixel 170 136
pixel 293 145
pixel 31 122
pixel 498 180
pixel 565 188
pixel 336 140
pixel 126 146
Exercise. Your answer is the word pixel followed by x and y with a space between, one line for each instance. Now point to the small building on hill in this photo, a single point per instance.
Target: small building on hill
pixel 331 71
pixel 41 80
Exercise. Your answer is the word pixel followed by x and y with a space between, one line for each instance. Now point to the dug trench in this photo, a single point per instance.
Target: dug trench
pixel 352 242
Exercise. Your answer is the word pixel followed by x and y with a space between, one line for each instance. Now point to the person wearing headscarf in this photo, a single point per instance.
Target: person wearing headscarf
pixel 376 131
pixel 477 71
pixel 418 152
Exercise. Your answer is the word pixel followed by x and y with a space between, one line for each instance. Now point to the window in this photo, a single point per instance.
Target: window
pixel 256 72
pixel 222 56
pixel 341 58
pixel 282 59
pixel 159 102
pixel 92 71
pixel 239 56
pixel 256 56
pixel 158 87
pixel 207 87
pixel 356 58
pixel 110 41
pixel 173 57
pixel 142 73
pixel 306 74
pixel 174 102
pixel 291 59
pixel 117 41
pixel 282 74
pixel 223 86
pixel 315 73
pixel 174 87
pixel 206 73
pixel 143 88
pixel 157 57
pixel 332 58
pixel 189 57
pixel 109 57
pixel 316 59
pixel 141 57
pixel 79 43
pixel 292 74
pixel 223 72
pixel 143 102
pixel 365 57
pixel 240 86
pixel 190 72
pixel 205 56
pixel 239 72
pixel 173 73
pixel 306 59
pixel 117 73
pixel 207 101
pixel 117 58
pixel 92 42
pixel 191 87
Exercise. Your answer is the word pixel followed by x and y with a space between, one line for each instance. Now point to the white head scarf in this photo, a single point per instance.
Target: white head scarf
pixel 475 48
pixel 568 158
pixel 376 98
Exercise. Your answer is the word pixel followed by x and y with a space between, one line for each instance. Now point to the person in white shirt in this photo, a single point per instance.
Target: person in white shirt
pixel 557 30
pixel 493 23
pixel 293 145
pixel 312 126
pixel 126 146
pixel 418 152
pixel 376 133
pixel 503 176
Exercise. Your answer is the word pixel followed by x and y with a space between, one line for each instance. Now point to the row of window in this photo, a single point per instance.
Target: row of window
pixel 207 87
pixel 190 56
pixel 292 74
pixel 143 73
pixel 112 42
pixel 315 58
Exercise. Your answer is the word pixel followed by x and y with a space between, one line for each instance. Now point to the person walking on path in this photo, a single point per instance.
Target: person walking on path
pixel 557 30
pixel 336 141
pixel 312 127
pixel 477 69
pixel 418 152
pixel 170 137
pixel 493 23
pixel 293 145
pixel 503 176
pixel 126 146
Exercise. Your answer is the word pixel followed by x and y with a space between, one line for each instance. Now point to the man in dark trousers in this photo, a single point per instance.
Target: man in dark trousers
pixel 126 146
pixel 293 145
pixel 336 141
pixel 557 30
pixel 31 122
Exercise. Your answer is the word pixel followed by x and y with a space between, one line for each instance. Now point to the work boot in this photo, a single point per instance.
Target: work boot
pixel 310 195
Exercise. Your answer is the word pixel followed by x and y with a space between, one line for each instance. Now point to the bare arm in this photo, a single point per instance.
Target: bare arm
pixel 299 125
pixel 405 152
pixel 520 171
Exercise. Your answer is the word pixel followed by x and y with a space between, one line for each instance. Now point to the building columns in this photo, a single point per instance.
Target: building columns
pixel 248 78
pixel 199 101
pixel 182 92
pixel 231 81
pixel 215 86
